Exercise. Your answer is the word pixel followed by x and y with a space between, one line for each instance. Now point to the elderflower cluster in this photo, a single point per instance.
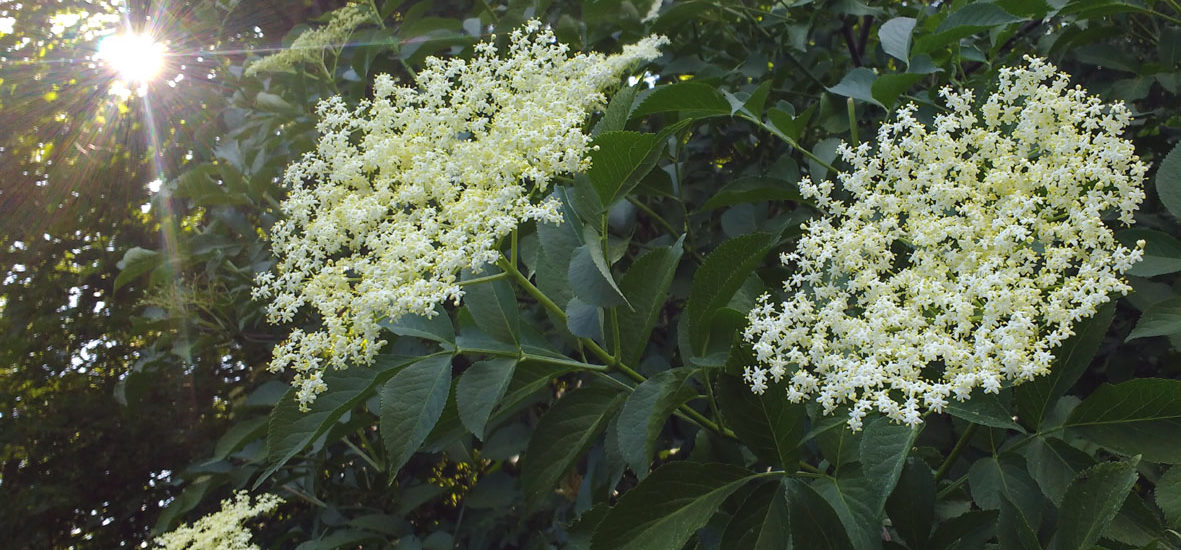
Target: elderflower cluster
pixel 418 183
pixel 309 46
pixel 963 255
pixel 221 530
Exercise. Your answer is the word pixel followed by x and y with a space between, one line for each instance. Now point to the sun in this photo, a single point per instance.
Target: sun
pixel 136 57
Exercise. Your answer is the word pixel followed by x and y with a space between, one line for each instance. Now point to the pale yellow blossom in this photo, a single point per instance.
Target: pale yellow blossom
pixel 963 256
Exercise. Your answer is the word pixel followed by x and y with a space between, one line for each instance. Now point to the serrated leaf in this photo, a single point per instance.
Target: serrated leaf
pixel 1034 399
pixel 753 189
pixel 645 285
pixel 769 424
pixel 857 84
pixel 437 327
pixel 1053 464
pixel 591 278
pixel 239 435
pixel 645 412
pixel 619 161
pixel 615 117
pixel 1168 496
pixel 976 15
pixel 411 403
pixel 691 97
pixel 493 306
pixel 911 507
pixel 1091 502
pixel 584 320
pixel 136 261
pixel 762 522
pixel 888 87
pixel 1161 319
pixel 858 494
pixel 665 509
pixel 814 524
pixel 562 436
pixel 895 37
pixel 289 431
pixel 986 409
pixel 719 277
pixel 1130 418
pixel 479 389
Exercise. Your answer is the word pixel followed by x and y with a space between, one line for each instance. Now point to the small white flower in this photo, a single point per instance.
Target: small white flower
pixel 221 530
pixel 965 255
pixel 416 184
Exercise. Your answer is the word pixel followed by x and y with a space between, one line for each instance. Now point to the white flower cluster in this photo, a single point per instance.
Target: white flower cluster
pixel 221 530
pixel 964 255
pixel 416 184
pixel 309 46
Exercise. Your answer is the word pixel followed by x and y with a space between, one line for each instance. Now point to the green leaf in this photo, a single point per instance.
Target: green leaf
pixel 768 424
pixel 1161 319
pixel 1002 483
pixel 691 97
pixel 1168 181
pixel 911 507
pixel 970 19
pixel 888 87
pixel 289 431
pixel 584 320
pixel 645 412
pixel 615 117
pixel 665 509
pixel 814 524
pixel 1168 496
pixel 645 285
pixel 1034 399
pixel 977 15
pixel 895 37
pixel 986 409
pixel 619 161
pixel 719 277
pixel 1162 252
pixel 1053 463
pixel 1091 502
pixel 591 278
pixel 136 261
pixel 493 306
pixel 857 84
pixel 1131 417
pixel 790 126
pixel 753 189
pixel 411 403
pixel 762 522
pixel 562 436
pixel 437 328
pixel 858 494
pixel 479 389
pixel 239 435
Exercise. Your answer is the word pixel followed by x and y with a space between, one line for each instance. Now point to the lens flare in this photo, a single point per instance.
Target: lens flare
pixel 136 57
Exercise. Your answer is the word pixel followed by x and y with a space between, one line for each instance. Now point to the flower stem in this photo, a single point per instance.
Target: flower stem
pixel 955 451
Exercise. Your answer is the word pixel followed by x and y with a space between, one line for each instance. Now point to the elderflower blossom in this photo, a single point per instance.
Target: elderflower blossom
pixel 309 46
pixel 963 257
pixel 416 184
pixel 221 530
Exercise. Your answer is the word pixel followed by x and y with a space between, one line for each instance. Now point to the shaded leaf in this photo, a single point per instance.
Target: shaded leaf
pixel 665 509
pixel 762 522
pixel 562 436
pixel 479 389
pixel 1091 502
pixel 619 161
pixel 645 285
pixel 690 97
pixel 719 277
pixel 1130 418
pixel 814 524
pixel 591 278
pixel 411 403
pixel 493 306
pixel 895 37
pixel 645 412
